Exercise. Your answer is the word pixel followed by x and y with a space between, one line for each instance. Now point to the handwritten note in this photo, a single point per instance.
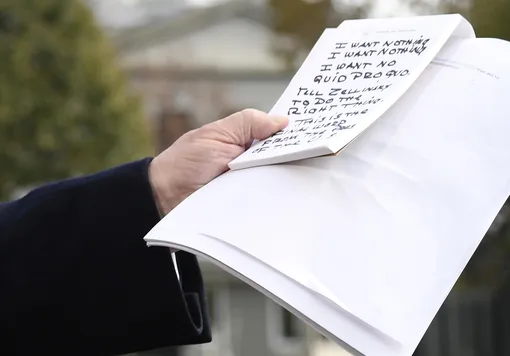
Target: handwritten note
pixel 345 84
pixel 353 79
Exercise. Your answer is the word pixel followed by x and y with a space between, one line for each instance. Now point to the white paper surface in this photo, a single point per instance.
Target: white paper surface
pixel 387 226
pixel 300 300
pixel 352 76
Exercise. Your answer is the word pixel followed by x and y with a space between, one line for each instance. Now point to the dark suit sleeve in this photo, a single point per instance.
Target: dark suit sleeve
pixel 77 278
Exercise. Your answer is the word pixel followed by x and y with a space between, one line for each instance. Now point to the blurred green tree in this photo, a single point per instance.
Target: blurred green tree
pixel 65 108
pixel 303 21
pixel 488 17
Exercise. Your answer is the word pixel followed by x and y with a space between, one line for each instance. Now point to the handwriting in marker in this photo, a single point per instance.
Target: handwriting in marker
pixel 351 79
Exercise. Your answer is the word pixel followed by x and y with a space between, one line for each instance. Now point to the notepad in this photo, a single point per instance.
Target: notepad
pixel 365 245
pixel 353 74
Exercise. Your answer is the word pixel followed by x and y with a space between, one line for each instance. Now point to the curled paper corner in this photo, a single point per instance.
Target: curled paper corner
pixel 313 284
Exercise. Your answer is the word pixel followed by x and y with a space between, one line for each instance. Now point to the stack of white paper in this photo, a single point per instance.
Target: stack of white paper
pixel 366 245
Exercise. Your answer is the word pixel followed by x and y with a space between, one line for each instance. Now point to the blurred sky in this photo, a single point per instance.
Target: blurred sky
pixel 383 7
pixel 115 13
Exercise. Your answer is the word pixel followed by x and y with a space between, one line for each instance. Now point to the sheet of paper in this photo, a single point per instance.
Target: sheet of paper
pixel 352 76
pixel 387 226
pixel 320 314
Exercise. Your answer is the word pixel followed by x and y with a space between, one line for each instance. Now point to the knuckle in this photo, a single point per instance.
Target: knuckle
pixel 191 134
pixel 250 114
pixel 208 130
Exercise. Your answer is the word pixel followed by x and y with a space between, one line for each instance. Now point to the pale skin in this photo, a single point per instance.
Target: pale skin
pixel 201 155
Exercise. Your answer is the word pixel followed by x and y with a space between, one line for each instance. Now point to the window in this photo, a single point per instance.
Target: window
pixel 286 333
pixel 211 302
pixel 290 327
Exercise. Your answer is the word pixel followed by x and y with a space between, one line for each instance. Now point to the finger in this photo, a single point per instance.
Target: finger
pixel 251 124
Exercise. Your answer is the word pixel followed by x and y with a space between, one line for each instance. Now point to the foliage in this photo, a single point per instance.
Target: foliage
pixel 304 21
pixel 488 17
pixel 64 105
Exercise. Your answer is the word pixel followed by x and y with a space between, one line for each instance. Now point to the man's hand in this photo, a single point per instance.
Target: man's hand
pixel 201 155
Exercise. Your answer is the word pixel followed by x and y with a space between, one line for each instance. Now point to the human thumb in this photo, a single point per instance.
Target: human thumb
pixel 250 124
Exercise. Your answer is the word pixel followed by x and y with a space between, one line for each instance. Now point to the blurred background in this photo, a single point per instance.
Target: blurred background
pixel 87 84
